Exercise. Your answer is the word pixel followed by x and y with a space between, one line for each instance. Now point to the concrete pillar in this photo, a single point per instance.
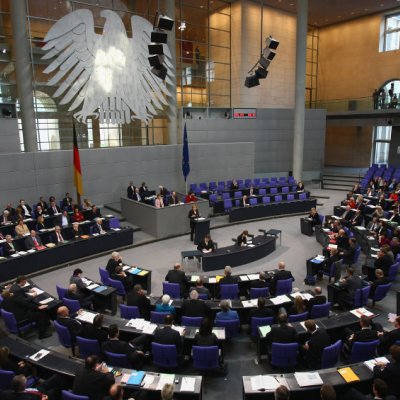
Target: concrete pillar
pixel 23 71
pixel 172 112
pixel 299 107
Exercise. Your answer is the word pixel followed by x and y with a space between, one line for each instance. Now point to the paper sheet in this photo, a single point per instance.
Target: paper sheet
pixel 86 316
pixel 187 384
pixel 165 378
pixel 371 363
pixel 93 286
pixel 263 382
pixel 46 301
pixel 308 379
pixel 280 299
pixel 39 355
pixel 253 277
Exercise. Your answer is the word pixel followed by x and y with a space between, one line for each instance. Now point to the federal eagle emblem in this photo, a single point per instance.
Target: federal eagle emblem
pixel 105 76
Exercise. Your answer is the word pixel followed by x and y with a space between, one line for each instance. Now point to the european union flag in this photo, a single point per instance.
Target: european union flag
pixel 185 155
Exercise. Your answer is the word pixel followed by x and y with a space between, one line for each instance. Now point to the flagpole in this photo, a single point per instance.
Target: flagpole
pixel 77 166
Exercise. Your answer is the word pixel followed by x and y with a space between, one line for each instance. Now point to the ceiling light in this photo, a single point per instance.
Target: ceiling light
pixel 182 26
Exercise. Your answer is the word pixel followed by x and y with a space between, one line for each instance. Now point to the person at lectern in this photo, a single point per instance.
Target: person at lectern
pixel 193 214
pixel 206 245
pixel 242 238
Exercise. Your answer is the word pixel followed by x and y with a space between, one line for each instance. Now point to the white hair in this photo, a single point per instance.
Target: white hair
pixel 165 299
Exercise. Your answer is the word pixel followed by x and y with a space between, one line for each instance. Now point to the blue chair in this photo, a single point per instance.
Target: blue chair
pixel 119 286
pixel 298 317
pixel 256 322
pixel 172 289
pixel 331 270
pixel 66 395
pixel 205 357
pixel 158 317
pixel 129 312
pixel 104 276
pixel 5 379
pixel 330 355
pixel 255 293
pixel 203 296
pixel 262 192
pixel 321 218
pixel 361 296
pixel 64 336
pixel 114 223
pixel 284 286
pixel 61 292
pixel 253 201
pixel 231 326
pixel 73 305
pixel 303 196
pixel 266 200
pixel 290 197
pixel 193 187
pixel 226 195
pixel 285 189
pixel 247 182
pixel 88 347
pixel 229 291
pixel 238 194
pixel 278 198
pixel 117 360
pixel 13 326
pixel 164 355
pixel 227 204
pixel 191 321
pixel 256 181
pixel 212 185
pixel 284 354
pixel 320 310
pixel 393 271
pixel 362 351
pixel 213 198
pixel 274 190
pixel 380 292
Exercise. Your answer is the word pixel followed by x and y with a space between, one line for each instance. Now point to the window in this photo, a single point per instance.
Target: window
pixel 382 136
pixel 391 34
pixel 110 135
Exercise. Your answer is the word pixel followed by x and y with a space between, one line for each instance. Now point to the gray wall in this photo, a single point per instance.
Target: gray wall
pixel 9 139
pixel 394 158
pixel 272 134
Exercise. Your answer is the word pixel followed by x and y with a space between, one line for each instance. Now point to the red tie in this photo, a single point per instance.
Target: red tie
pixel 36 242
pixel 60 239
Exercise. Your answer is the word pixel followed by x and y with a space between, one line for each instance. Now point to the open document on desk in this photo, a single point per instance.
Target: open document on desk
pixel 305 379
pixel 263 382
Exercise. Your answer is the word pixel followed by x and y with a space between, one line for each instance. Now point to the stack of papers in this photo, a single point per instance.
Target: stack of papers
pixel 179 329
pixel 264 330
pixel 46 301
pixel 39 355
pixel 244 278
pixel 212 280
pixel 332 246
pixel 134 270
pixel 249 303
pixel 187 384
pixel 253 277
pixel 359 312
pixel 194 278
pixel 371 363
pixel 87 282
pixel 165 378
pixel 93 286
pixel 280 299
pixel 308 379
pixel 318 259
pixel 100 289
pixel 304 296
pixel 263 382
pixel 86 316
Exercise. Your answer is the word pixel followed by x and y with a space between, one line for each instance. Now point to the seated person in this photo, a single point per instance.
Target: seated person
pixel 190 197
pixel 53 209
pixel 120 275
pixel 73 325
pixel 6 218
pixel 261 282
pixel 64 219
pixel 205 335
pixel 349 284
pixel 387 339
pixel 113 262
pixel 374 226
pixel 137 196
pixel 234 186
pixel 98 227
pixel 76 231
pixel 298 306
pixel 94 331
pixel 173 200
pixel 318 298
pixel 137 297
pixel 165 305
pixel 163 191
pixel 242 238
pixel 67 202
pixel 40 223
pixel 314 217
pixel 134 350
pixel 77 216
pixel 25 209
pixel 38 212
pixel 130 190
pixel 159 202
pixel 74 294
pixel 21 229
pixel 226 313
pixel 95 212
pixel 8 364
pixel 228 279
pixel 281 274
pixel 390 373
pixel 283 333
pixel 193 307
pixel 261 311
pixel 300 186
pixel 357 219
pixel 206 245
pixel 77 279
pixel 244 202
pixel 58 236
pixel 200 288
pixel 143 189
pixel 167 335
pixel 381 279
pixel 383 262
pixel 177 275
pixel 9 247
pixel 33 241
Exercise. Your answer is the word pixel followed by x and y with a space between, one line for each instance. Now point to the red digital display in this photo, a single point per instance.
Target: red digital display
pixel 243 113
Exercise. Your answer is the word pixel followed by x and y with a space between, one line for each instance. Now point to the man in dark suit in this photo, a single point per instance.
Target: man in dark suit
pixel 95 213
pixel 194 307
pixel 242 238
pixel 390 373
pixel 26 210
pixel 284 333
pixel 342 240
pixel 167 335
pixel 113 262
pixel 365 334
pixel 133 349
pixel 137 297
pixel 347 215
pixel 6 218
pixel 17 390
pixel 67 202
pixel 318 298
pixel 176 275
pixel 9 247
pixel 349 284
pixel 357 219
pixel 130 190
pixel 280 274
pixel 200 288
pixel 94 331
pixel 120 275
pixel 75 232
pixel 33 241
pixel 93 380
pixel 261 311
pixel 383 262
pixel 143 189
pixel 395 217
pixel 85 301
pixel 381 279
pixel 137 196
pixel 173 200
pixel 313 348
pixel 206 245
pixel 261 282
pixel 58 237
pixel 53 209
pixel 20 286
pixel 98 227
pixel 388 339
pixel 64 319
pixel 228 279
pixel 24 309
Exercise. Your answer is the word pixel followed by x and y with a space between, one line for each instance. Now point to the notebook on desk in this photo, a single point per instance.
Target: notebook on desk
pixel 348 375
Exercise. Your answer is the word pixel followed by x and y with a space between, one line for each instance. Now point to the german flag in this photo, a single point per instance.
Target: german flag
pixel 77 167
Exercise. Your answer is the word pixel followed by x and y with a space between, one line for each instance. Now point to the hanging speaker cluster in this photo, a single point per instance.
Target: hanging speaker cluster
pixel 158 38
pixel 260 70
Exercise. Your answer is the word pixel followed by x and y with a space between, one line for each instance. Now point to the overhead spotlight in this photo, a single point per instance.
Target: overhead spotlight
pixel 271 43
pixel 182 26
pixel 160 72
pixel 264 62
pixel 261 73
pixel 159 37
pixel 164 22
pixel 156 60
pixel 155 48
pixel 269 54
pixel 251 81
pixel 4 51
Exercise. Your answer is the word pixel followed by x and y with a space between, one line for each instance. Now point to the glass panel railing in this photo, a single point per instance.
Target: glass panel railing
pixel 358 104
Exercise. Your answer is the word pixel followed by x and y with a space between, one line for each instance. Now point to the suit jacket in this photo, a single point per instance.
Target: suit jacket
pixel 282 334
pixel 117 346
pixel 73 325
pixel 19 305
pixel 357 220
pixel 365 335
pixel 143 190
pixel 194 308
pixel 173 200
pixel 258 284
pixel 316 300
pixel 93 384
pixel 112 264
pixel 138 197
pixel 391 375
pixel 205 246
pixel 140 301
pixel 317 342
pixel 8 250
pixel 228 280
pixel 51 211
pixel 90 332
pixel 387 340
pixel 130 191
pixel 376 283
pixel 395 218
pixel 241 239
pixel 94 215
pixel 177 276
pixel 260 313
pixel 55 238
pixel 279 275
pixel 350 285
pixel 342 242
pixel 201 290
pixel 97 228
pixel 167 335
pixel 383 263
pixel 30 244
